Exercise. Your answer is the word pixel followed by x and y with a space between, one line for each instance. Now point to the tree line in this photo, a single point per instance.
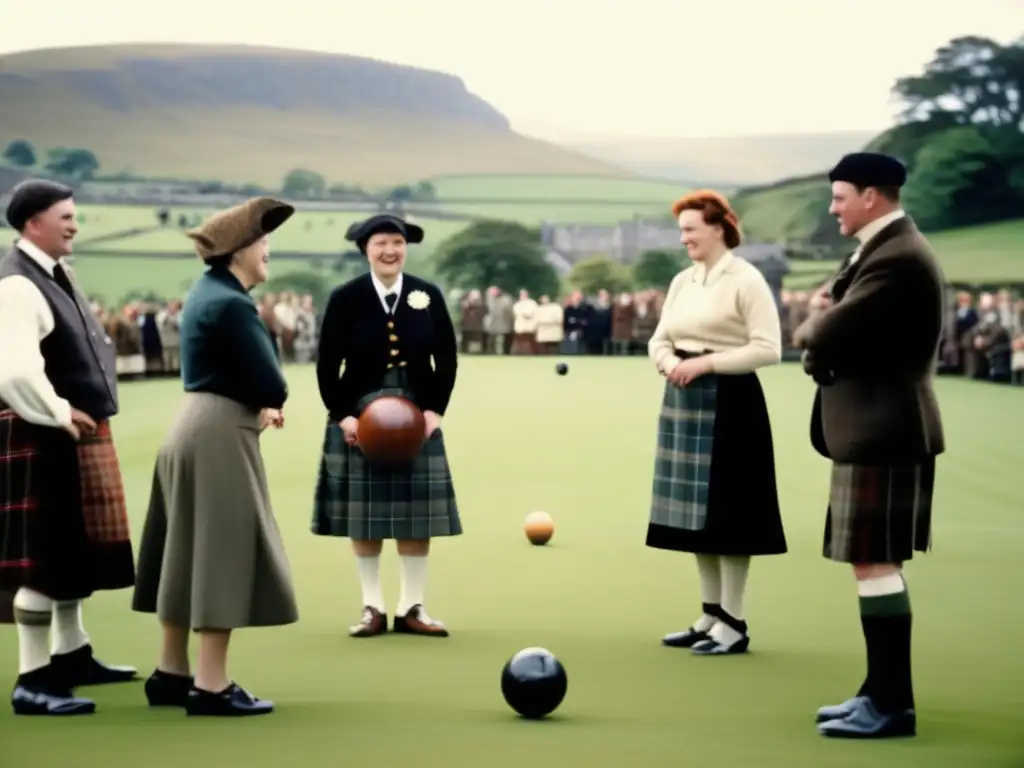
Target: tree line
pixel 961 134
pixel 78 164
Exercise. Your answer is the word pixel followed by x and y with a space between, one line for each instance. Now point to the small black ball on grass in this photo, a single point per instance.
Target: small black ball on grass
pixel 561 369
pixel 534 683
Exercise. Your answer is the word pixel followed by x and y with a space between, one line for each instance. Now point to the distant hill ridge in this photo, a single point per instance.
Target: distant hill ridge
pixel 127 77
pixel 251 114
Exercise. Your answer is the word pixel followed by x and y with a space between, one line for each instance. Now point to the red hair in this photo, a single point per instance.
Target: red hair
pixel 716 212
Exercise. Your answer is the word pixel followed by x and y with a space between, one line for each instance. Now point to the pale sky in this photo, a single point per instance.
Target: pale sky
pixel 559 68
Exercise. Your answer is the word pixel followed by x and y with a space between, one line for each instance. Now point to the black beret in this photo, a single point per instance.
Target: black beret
pixel 32 197
pixel 870 169
pixel 360 232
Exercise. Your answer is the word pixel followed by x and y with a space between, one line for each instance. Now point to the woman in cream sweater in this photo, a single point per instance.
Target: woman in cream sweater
pixel 714 488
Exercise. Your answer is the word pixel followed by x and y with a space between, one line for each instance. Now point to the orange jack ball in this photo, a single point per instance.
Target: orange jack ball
pixel 539 528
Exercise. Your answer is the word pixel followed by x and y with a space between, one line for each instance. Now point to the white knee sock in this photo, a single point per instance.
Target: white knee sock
pixel 734 586
pixel 32 612
pixel 369 580
pixel 710 589
pixel 68 632
pixel 414 582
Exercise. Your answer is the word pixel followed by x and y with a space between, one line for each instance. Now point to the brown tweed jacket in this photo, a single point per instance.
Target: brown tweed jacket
pixel 873 354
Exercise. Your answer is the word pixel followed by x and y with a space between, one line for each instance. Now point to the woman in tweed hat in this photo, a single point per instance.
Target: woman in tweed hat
pixel 211 558
pixel 386 326
pixel 714 488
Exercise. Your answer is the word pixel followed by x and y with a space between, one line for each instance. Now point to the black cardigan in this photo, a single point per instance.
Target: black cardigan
pixel 358 332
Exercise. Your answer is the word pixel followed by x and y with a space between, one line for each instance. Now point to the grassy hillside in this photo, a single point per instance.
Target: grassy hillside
pixel 790 210
pixel 991 253
pixel 244 114
pixel 528 199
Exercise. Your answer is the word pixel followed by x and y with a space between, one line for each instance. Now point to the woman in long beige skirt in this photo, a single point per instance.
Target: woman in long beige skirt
pixel 211 558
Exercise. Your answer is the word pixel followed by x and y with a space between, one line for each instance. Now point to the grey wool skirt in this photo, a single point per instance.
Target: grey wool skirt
pixel 211 555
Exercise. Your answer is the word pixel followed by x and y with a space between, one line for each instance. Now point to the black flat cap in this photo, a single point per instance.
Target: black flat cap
pixel 870 169
pixel 34 196
pixel 360 232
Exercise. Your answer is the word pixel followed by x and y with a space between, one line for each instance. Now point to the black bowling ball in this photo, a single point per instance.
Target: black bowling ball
pixel 534 683
pixel 561 369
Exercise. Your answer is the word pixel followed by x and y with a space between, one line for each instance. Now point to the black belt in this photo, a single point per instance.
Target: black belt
pixel 394 382
pixel 682 354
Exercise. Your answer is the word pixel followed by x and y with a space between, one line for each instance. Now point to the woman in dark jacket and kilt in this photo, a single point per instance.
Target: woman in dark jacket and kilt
pixel 386 327
pixel 714 488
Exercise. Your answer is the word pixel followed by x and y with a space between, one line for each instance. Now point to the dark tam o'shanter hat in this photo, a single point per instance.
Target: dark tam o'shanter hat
pixel 870 169
pixel 361 232
pixel 229 231
pixel 34 196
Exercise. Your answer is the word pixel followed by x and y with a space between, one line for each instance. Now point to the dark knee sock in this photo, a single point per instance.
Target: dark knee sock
pixel 886 619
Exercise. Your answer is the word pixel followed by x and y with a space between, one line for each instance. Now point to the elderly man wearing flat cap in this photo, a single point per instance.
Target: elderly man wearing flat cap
pixel 872 352
pixel 211 558
pixel 63 523
pixel 387 327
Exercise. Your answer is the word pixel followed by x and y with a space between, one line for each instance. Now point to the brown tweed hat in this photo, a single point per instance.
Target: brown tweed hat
pixel 231 230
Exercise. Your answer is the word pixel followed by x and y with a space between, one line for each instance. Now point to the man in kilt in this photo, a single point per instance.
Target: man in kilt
pixel 872 352
pixel 386 327
pixel 63 523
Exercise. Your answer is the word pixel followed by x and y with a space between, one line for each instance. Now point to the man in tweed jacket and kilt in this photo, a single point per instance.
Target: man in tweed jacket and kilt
pixel 63 523
pixel 393 333
pixel 872 352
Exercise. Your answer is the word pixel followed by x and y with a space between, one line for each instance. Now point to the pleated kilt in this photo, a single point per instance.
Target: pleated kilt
pixel 211 555
pixel 879 514
pixel 714 489
pixel 360 500
pixel 64 527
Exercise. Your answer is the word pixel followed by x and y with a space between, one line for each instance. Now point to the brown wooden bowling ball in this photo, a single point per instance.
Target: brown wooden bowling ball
pixel 391 431
pixel 539 528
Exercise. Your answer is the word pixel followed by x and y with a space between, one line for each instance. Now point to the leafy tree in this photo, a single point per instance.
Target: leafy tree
pixel 304 183
pixel 301 282
pixel 655 269
pixel 599 272
pixel 21 153
pixel 505 254
pixel 79 164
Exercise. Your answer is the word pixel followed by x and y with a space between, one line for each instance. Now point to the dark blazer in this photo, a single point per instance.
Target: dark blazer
pixel 874 352
pixel 358 332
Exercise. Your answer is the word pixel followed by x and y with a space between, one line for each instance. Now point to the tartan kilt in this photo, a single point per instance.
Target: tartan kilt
pixel 64 527
pixel 879 514
pixel 359 500
pixel 714 489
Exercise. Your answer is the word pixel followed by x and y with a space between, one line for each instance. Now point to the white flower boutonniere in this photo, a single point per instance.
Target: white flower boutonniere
pixel 418 300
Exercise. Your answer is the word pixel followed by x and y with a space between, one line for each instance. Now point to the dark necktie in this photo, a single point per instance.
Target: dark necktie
pixel 61 278
pixel 390 299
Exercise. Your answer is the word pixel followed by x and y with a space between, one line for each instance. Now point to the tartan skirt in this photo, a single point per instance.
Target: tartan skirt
pixel 714 489
pixel 359 500
pixel 879 514
pixel 63 520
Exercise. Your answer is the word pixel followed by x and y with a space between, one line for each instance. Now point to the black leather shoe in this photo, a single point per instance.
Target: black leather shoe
pixel 712 647
pixel 36 694
pixel 82 668
pixel 838 711
pixel 685 639
pixel 166 690
pixel 233 701
pixel 866 722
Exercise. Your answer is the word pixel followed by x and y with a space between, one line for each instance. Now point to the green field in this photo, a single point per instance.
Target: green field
pixel 990 253
pixel 584 453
